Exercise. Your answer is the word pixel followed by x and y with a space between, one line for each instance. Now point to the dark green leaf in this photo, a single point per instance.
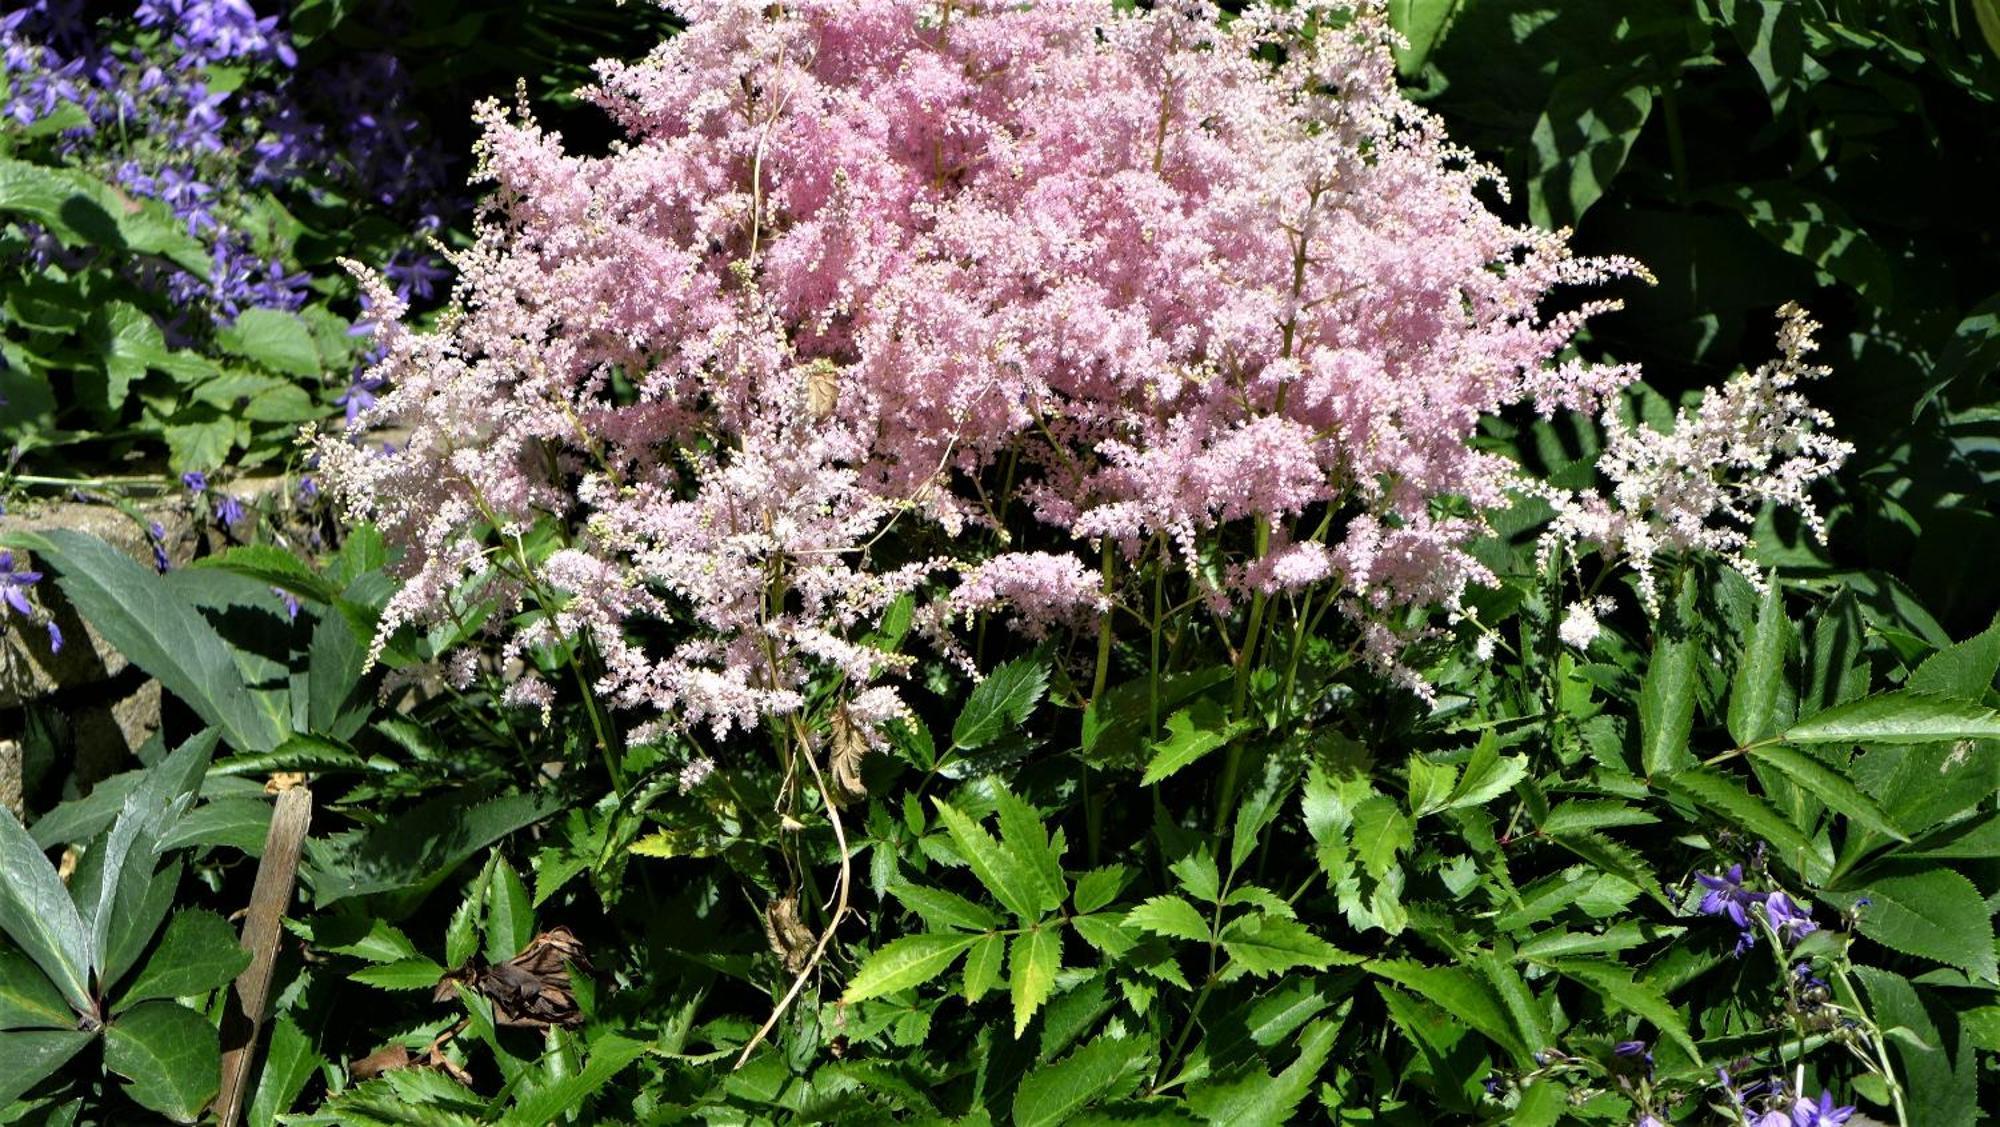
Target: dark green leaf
pixel 38 914
pixel 1936 914
pixel 1053 1095
pixel 1759 700
pixel 167 638
pixel 28 1000
pixel 169 1054
pixel 27 1057
pixel 1897 718
pixel 1002 701
pixel 1829 786
pixel 197 954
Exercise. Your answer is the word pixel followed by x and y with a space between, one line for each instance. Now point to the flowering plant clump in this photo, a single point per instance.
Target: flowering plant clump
pixel 922 264
pixel 1040 563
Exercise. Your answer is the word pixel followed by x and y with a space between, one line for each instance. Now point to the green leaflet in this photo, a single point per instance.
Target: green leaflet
pixel 1936 914
pixel 906 962
pixel 1053 1095
pixel 1897 718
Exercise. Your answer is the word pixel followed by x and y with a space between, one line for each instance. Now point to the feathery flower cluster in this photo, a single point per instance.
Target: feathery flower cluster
pixel 1753 442
pixel 851 256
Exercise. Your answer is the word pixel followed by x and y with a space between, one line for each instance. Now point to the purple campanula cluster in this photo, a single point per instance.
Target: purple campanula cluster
pixel 1771 1104
pixel 1726 897
pixel 14 585
pixel 149 119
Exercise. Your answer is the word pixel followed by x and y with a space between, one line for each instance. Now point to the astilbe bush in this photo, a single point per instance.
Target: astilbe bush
pixel 1161 278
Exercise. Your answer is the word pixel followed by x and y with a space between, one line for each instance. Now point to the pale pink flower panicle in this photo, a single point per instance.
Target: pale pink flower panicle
pixel 851 255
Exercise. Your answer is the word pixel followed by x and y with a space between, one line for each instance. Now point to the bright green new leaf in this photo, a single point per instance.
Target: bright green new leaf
pixel 1098 887
pixel 1032 964
pixel 170 1055
pixel 906 962
pixel 1170 916
pixel 982 966
pixel 1016 883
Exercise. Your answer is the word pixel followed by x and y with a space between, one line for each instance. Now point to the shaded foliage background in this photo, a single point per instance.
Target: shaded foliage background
pixel 1841 153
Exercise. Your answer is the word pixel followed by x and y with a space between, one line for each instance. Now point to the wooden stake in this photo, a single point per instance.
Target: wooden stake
pixel 243 1019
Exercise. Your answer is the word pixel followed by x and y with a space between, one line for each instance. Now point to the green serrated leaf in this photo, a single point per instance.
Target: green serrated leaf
pixel 1098 887
pixel 1759 703
pixel 1617 986
pixel 1055 1094
pixel 1937 914
pixel 510 917
pixel 1256 1098
pixel 1897 718
pixel 1666 696
pixel 1579 815
pixel 1264 944
pixel 1170 916
pixel 1192 733
pixel 1381 832
pixel 1002 701
pixel 944 909
pixel 416 973
pixel 1830 787
pixel 1026 836
pixel 906 962
pixel 1032 964
pixel 1463 995
pixel 982 965
pixel 1725 796
pixel 1011 880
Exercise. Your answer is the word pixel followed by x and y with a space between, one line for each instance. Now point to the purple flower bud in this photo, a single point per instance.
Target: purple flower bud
pixel 195 480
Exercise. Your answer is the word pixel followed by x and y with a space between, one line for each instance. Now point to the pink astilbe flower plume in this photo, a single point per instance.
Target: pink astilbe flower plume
pixel 853 254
